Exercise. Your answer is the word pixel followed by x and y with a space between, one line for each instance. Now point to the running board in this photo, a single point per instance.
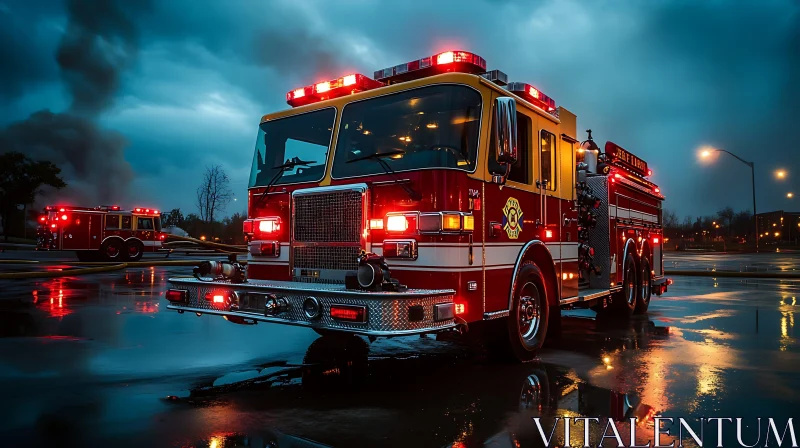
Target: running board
pixel 587 296
pixel 590 294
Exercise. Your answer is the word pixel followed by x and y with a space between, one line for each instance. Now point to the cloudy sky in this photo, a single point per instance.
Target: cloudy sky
pixel 135 98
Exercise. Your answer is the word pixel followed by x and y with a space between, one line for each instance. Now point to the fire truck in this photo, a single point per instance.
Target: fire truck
pixel 105 233
pixel 435 196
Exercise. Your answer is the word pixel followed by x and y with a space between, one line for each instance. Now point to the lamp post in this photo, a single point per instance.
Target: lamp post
pixel 705 153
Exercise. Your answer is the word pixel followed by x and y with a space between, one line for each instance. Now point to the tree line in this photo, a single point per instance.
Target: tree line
pixel 23 180
pixel 727 224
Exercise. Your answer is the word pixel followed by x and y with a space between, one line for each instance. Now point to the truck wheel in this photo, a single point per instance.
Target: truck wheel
pixel 333 362
pixel 625 301
pixel 528 317
pixel 112 250
pixel 645 288
pixel 134 250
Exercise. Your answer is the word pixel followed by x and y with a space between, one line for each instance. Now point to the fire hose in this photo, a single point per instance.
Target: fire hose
pixel 218 247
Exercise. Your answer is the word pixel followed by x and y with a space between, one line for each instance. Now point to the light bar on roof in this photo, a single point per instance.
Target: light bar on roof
pixel 326 90
pixel 448 61
pixel 533 95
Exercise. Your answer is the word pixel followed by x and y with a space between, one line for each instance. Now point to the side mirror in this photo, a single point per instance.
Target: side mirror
pixel 505 134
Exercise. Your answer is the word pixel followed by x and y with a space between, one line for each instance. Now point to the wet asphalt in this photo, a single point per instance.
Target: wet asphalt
pixel 98 361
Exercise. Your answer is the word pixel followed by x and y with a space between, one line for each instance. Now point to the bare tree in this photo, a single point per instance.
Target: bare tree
pixel 669 220
pixel 213 195
pixel 726 216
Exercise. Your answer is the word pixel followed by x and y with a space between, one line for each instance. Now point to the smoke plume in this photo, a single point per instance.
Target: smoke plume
pixel 100 42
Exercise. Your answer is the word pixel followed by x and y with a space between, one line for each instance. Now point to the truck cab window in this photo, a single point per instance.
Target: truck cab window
pixel 306 137
pixel 126 222
pixel 549 159
pixel 158 224
pixel 429 127
pixel 144 224
pixel 520 171
pixel 112 221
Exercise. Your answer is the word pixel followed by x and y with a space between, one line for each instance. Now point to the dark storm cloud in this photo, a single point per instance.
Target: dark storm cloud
pixel 659 78
pixel 100 42
pixel 743 62
pixel 92 159
pixel 23 54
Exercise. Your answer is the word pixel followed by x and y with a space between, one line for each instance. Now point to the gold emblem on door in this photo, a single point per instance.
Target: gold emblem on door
pixel 512 218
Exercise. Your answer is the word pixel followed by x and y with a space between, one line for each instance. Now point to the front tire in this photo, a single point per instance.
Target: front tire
pixel 528 317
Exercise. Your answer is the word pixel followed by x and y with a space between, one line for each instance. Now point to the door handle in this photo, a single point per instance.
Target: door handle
pixel 495 228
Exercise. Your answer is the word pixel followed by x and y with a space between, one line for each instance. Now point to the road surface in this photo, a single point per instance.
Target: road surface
pixel 99 361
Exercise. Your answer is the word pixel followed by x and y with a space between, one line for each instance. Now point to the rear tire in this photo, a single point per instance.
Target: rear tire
pixel 133 250
pixel 112 250
pixel 624 302
pixel 528 317
pixel 645 290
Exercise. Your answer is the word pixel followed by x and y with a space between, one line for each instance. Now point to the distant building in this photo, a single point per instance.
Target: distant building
pixel 779 227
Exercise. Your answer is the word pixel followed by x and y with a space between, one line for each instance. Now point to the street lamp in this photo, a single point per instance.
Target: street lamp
pixel 705 153
pixel 790 195
pixel 780 174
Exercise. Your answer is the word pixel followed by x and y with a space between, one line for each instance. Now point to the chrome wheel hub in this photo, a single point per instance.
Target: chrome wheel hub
pixel 630 286
pixel 529 312
pixel 531 392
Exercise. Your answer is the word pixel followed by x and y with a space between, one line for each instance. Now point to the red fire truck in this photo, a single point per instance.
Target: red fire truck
pixel 104 232
pixel 435 196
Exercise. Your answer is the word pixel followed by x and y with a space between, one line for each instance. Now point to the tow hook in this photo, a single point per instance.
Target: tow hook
pixel 275 305
pixel 461 326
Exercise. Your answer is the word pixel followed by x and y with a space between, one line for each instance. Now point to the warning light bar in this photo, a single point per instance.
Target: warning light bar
pixel 145 211
pixel 322 91
pixel 533 95
pixel 448 61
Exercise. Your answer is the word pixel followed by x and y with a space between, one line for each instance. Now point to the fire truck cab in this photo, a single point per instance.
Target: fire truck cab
pixel 105 233
pixel 433 197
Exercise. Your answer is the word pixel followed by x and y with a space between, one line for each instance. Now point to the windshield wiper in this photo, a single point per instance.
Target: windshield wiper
pixel 288 165
pixel 379 157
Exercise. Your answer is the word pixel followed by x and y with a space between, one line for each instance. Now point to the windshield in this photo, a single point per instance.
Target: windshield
pixel 306 137
pixel 430 127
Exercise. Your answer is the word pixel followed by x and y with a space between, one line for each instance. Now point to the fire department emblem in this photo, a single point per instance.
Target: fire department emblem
pixel 512 218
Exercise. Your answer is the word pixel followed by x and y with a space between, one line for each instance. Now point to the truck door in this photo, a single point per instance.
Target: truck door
pixel 95 230
pixel 511 211
pixel 75 235
pixel 144 229
pixel 556 185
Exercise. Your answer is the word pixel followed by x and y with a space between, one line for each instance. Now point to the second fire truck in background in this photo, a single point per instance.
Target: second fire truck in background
pixel 105 233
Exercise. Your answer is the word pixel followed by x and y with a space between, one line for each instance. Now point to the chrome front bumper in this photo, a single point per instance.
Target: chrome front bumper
pixel 413 311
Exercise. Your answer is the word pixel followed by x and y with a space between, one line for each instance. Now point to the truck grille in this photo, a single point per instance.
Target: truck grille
pixel 326 257
pixel 327 229
pixel 333 217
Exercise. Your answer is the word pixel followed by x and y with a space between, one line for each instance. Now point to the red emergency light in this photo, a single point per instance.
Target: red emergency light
pixel 145 211
pixel 533 95
pixel 352 313
pixel 326 90
pixel 448 61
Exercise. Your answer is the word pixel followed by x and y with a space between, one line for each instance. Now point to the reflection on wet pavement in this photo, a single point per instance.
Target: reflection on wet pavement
pixel 95 361
pixel 749 262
